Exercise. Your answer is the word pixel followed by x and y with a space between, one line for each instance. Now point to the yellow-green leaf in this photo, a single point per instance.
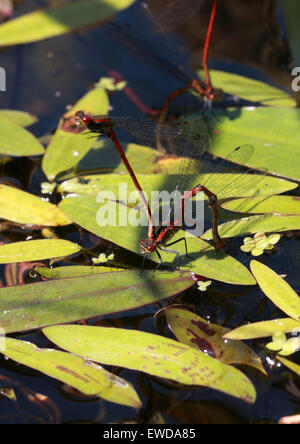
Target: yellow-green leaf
pixel 277 289
pixel 203 258
pixel 58 20
pixel 33 250
pixel 78 270
pixel 17 141
pixel 273 132
pixel 268 223
pixel 250 89
pixel 24 208
pixel 272 204
pixel 66 149
pixel 19 117
pixel 207 337
pixel 26 307
pixel 85 376
pixel 264 329
pixel 289 364
pixel 152 354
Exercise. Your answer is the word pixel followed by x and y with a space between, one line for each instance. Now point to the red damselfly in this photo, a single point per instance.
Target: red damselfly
pixel 175 13
pixel 188 140
pixel 225 181
pixel 148 133
pixel 145 48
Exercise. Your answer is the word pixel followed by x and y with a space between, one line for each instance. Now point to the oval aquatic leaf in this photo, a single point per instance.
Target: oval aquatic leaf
pixel 24 208
pixel 16 141
pixel 104 158
pixel 203 258
pixel 264 329
pixel 273 204
pixel 196 332
pixel 19 117
pixel 152 354
pixel 250 89
pixel 75 271
pixel 34 250
pixel 277 289
pixel 267 223
pixel 59 20
pixel 67 148
pixel 274 149
pixel 122 184
pixel 26 307
pixel 85 376
pixel 289 364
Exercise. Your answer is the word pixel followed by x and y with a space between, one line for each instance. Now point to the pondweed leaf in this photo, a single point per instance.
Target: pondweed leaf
pixel 85 376
pixel 26 307
pixel 34 250
pixel 59 20
pixel 208 338
pixel 25 208
pixel 152 354
pixel 263 329
pixel 277 289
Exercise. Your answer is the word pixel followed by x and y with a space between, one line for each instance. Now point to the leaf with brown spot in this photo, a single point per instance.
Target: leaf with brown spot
pixel 207 337
pixel 130 349
pixel 85 376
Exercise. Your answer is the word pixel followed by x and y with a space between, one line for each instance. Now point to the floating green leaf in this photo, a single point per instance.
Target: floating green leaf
pixel 24 208
pixel 16 141
pixel 207 337
pixel 289 364
pixel 59 20
pixel 26 307
pixel 33 250
pixel 75 271
pixel 272 204
pixel 66 148
pixel 117 183
pixel 250 225
pixel 152 354
pixel 19 117
pixel 274 149
pixel 277 289
pixel 264 329
pixel 203 258
pixel 85 376
pixel 250 89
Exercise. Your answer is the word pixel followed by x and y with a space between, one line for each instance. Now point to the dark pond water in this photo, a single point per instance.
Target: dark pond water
pixel 44 78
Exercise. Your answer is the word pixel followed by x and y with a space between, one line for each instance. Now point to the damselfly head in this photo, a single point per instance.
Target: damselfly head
pixel 216 95
pixel 82 118
pixel 146 246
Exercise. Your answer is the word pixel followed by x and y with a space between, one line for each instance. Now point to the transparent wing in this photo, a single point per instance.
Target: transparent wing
pixel 146 49
pixel 173 13
pixel 183 138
